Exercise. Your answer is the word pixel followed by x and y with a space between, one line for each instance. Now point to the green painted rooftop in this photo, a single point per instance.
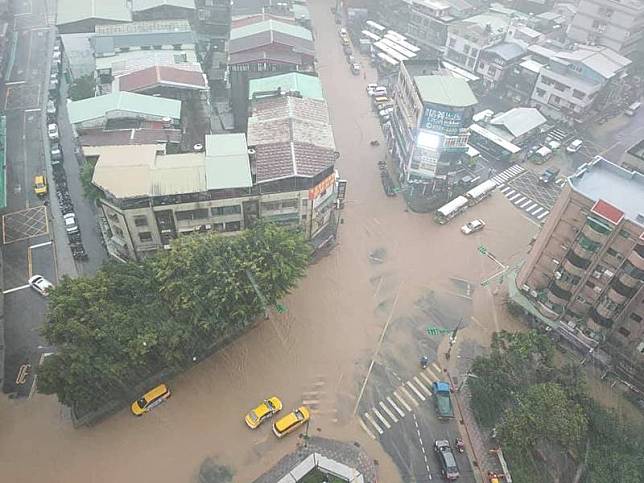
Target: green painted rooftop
pixel 307 85
pixel 96 107
pixel 267 25
pixel 445 90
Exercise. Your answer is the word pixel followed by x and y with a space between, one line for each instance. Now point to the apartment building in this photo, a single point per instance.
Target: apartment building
pixel 586 266
pixel 494 62
pixel 468 38
pixel 427 21
pixel 150 197
pixel 429 127
pixel 573 85
pixel 616 24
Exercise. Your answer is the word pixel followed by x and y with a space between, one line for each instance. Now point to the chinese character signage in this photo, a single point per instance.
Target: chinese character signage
pixel 441 120
pixel 322 187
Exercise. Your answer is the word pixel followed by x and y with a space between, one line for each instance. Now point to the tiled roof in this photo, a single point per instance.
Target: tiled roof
pixel 139 5
pixel 272 26
pixel 108 44
pixel 289 106
pixel 271 37
pixel 281 160
pixel 265 55
pixel 161 75
pixel 287 129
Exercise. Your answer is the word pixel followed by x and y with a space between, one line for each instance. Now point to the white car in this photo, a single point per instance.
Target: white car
pixel 472 227
pixel 574 146
pixel 70 223
pixel 52 131
pixel 40 284
pixel 380 91
pixel 371 88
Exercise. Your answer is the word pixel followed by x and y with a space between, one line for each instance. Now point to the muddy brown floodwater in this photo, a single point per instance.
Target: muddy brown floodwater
pixel 319 350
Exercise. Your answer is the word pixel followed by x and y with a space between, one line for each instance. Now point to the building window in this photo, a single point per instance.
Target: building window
pixel 578 94
pixel 635 317
pixel 624 331
pixel 145 236
pixel 590 284
pixel 233 226
pixel 466 49
pixel 474 52
pixel 481 65
pixel 157 47
pixel 188 215
pixel 280 205
pixel 305 203
pixel 218 227
pixel 140 220
pixel 624 234
pixel 491 71
pixel 541 92
pixel 177 46
pixel 226 210
pixel 118 231
pixel 452 42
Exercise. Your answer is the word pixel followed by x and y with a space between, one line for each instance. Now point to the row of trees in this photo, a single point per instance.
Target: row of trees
pixel 131 320
pixel 549 427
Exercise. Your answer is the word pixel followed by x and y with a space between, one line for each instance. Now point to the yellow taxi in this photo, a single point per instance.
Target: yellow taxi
pixel 267 409
pixel 291 421
pixel 40 185
pixel 150 400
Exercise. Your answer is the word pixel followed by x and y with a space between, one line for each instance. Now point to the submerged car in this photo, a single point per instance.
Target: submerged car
pixel 267 409
pixel 291 421
pixel 150 400
pixel 472 227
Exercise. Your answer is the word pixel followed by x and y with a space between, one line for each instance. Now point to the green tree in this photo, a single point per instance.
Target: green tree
pixel 131 320
pixel 90 190
pixel 82 88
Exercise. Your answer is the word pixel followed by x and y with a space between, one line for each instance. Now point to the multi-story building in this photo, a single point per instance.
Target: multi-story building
pixel 586 266
pixel 163 9
pixel 427 21
pixel 520 79
pixel 618 25
pixel 429 126
pixel 573 85
pixel 148 197
pixel 633 158
pixel 494 62
pixel 467 38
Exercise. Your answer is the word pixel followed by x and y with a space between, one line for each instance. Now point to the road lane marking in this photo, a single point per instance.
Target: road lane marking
pixel 40 245
pixel 438 369
pixel 422 447
pixel 433 374
pixel 409 396
pixel 514 197
pixel 536 211
pixel 542 215
pixel 422 386
pixel 418 393
pixel 402 401
pixel 393 404
pixel 388 411
pixel 429 381
pixel 15 289
pixel 526 203
pixel 375 425
pixel 523 198
pixel 366 429
pixel 530 207
pixel 507 188
pixel 381 417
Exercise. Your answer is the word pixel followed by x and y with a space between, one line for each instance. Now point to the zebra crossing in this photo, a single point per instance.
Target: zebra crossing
pixel 386 413
pixel 531 207
pixel 507 174
pixel 559 135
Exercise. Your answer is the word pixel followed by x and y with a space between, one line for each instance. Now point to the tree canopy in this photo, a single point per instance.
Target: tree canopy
pixel 542 412
pixel 131 320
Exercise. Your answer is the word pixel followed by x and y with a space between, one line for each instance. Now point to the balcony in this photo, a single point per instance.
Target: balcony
pixel 560 293
pixel 605 322
pixel 594 232
pixel 624 290
pixel 633 272
pixel 582 252
pixel 615 296
pixel 577 261
pixel 636 258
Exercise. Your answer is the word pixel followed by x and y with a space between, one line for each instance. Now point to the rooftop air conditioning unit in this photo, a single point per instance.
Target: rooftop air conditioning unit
pixel 555 261
pixel 597 289
pixel 597 274
pixel 608 273
pixel 557 275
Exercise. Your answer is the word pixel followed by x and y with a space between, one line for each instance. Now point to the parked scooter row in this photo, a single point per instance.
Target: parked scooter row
pixel 69 217
pixel 387 183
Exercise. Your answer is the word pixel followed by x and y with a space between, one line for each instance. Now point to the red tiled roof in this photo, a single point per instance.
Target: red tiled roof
pixel 607 211
pixel 281 160
pixel 259 17
pixel 161 75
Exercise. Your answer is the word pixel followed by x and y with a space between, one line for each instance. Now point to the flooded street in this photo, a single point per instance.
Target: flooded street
pixel 318 351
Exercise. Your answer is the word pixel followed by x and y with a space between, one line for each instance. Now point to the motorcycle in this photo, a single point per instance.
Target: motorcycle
pixel 375 142
pixel 424 362
pixel 459 445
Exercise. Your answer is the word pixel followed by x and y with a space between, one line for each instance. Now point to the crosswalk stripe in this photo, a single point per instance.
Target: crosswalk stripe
pixel 543 215
pixel 409 396
pixel 519 200
pixel 433 374
pixel 437 367
pixel 506 189
pixel 371 420
pixel 402 401
pixel 499 185
pixel 528 208
pixel 536 211
pixel 418 393
pixel 366 430
pixel 514 197
pixel 393 404
pixel 381 417
pixel 429 381
pixel 509 193
pixel 422 386
pixel 388 411
pixel 526 203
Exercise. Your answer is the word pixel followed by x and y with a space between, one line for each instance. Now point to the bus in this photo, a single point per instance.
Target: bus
pixel 480 192
pixel 371 36
pixel 632 109
pixel 450 210
pixel 375 28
